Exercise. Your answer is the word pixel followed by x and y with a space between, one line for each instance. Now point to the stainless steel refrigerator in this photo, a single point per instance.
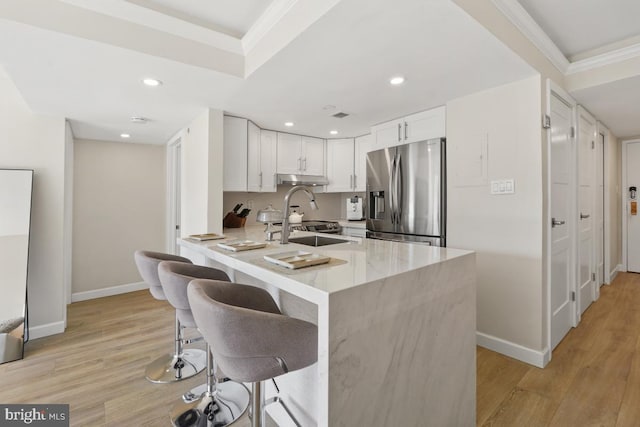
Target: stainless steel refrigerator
pixel 406 193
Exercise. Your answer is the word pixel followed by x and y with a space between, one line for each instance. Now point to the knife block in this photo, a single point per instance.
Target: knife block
pixel 232 220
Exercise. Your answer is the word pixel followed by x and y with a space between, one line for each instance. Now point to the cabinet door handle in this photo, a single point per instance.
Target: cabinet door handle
pixel 260 179
pixel 275 181
pixel 399 130
pixel 584 216
pixel 406 130
pixel 355 181
pixel 556 222
pixel 350 181
pixel 305 164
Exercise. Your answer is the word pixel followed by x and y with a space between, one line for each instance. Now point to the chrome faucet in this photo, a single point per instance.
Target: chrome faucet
pixel 285 212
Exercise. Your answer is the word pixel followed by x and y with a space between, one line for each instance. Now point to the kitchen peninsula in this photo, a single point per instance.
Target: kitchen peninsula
pixel 396 328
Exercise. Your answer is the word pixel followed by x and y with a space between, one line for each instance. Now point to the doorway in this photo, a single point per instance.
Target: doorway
pixel 630 219
pixel 174 173
pixel 562 154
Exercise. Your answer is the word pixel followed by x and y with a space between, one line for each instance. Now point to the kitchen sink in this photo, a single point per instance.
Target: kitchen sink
pixel 316 240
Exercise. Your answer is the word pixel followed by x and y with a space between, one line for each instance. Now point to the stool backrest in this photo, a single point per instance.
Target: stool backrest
pixel 147 263
pixel 175 277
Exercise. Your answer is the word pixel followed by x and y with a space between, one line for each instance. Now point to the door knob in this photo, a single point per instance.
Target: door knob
pixel 556 222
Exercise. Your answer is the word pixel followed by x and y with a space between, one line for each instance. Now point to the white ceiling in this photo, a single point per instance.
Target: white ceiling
pixel 231 17
pixel 577 26
pixel 344 59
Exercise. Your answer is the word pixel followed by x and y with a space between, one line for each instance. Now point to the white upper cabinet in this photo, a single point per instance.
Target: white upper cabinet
pixel 416 127
pixel 268 150
pixel 261 160
pixel 289 157
pixel 340 159
pixel 300 155
pixel 313 156
pixel 235 154
pixel 363 144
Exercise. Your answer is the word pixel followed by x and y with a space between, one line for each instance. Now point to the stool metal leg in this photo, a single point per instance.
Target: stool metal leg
pixel 180 365
pixel 220 405
pixel 257 404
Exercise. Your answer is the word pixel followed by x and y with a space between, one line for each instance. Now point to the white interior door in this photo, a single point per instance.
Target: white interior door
pixel 562 155
pixel 633 221
pixel 599 213
pixel 586 218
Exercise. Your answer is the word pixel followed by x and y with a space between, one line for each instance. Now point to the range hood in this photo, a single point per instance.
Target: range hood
pixel 312 180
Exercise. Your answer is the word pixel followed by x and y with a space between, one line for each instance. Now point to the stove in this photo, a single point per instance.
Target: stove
pixel 330 227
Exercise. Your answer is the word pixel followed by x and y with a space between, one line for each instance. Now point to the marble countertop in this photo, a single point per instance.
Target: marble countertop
pixel 365 261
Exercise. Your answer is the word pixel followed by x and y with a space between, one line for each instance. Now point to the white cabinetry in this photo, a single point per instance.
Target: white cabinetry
pixel 300 154
pixel 347 164
pixel 235 154
pixel 261 159
pixel 363 144
pixel 416 127
pixel 340 158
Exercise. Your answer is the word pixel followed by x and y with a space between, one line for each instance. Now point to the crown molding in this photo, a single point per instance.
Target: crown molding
pixel 274 13
pixel 604 59
pixel 519 17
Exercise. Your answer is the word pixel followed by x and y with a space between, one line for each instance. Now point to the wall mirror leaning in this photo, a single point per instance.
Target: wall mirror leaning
pixel 15 223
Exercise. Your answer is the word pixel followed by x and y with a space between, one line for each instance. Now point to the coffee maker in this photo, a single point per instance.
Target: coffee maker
pixel 355 209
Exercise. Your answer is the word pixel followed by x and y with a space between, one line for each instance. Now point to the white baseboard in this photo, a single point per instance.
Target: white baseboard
pixel 54 328
pixel 613 273
pixel 107 292
pixel 516 351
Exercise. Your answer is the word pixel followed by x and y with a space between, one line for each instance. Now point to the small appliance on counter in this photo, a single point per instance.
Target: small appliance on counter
pixel 270 216
pixel 355 210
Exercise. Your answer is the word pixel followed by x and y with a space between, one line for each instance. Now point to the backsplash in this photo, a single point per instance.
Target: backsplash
pixel 330 205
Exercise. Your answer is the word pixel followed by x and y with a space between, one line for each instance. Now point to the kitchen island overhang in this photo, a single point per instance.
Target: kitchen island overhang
pixel 396 328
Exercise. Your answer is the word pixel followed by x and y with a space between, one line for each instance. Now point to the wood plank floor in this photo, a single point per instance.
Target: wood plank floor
pixel 593 378
pixel 97 366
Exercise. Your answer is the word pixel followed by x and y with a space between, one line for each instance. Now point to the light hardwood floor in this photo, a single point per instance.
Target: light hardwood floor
pixel 97 366
pixel 593 378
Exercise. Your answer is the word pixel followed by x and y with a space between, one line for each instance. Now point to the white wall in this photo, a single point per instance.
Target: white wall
pixel 491 135
pixel 201 183
pixel 37 142
pixel 119 207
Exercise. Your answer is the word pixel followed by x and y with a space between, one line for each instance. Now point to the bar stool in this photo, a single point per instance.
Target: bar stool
pixel 250 338
pixel 182 363
pixel 216 403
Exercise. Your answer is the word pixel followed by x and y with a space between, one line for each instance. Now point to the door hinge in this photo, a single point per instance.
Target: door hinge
pixel 593 276
pixel 573 296
pixel 573 132
pixel 546 121
pixel 593 145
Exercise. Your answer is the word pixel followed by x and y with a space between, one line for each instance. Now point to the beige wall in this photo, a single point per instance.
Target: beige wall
pixel 119 207
pixel 37 142
pixel 504 230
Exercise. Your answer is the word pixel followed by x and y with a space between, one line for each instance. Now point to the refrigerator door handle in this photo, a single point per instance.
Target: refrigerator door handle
pixel 398 189
pixel 392 184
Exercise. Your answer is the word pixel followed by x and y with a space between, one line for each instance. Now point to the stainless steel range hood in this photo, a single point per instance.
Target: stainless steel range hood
pixel 312 180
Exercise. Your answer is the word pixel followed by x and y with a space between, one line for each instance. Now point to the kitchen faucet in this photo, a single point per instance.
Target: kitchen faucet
pixel 285 212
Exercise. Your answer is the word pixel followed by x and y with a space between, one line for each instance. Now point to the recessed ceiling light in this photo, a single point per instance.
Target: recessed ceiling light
pixel 288 124
pixel 125 135
pixel 333 132
pixel 151 82
pixel 397 80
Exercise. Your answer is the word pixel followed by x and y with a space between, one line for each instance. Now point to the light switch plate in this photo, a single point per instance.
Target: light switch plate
pixel 503 186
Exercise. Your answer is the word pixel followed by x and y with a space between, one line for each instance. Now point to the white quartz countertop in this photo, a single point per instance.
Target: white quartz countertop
pixel 364 261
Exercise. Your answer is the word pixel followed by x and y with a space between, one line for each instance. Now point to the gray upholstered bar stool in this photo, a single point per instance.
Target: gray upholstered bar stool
pixel 182 363
pixel 250 338
pixel 218 403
